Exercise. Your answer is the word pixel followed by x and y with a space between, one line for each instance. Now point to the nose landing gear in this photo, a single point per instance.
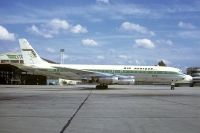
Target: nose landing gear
pixel 172 85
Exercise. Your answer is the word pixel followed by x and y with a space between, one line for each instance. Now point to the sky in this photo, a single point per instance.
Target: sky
pixel 131 32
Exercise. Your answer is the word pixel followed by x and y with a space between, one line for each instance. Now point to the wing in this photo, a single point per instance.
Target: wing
pixel 80 74
pixel 61 72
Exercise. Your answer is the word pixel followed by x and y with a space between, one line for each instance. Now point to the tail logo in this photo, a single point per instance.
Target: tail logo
pixel 32 53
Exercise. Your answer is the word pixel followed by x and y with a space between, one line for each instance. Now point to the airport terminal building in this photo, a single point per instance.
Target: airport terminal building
pixel 11 57
pixel 10 74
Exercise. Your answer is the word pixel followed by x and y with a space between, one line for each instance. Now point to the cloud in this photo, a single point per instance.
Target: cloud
pixel 137 62
pixel 100 57
pixel 41 32
pixel 185 25
pixel 145 43
pixel 78 29
pixel 127 26
pixel 189 34
pixel 164 42
pixel 123 57
pixel 51 50
pixel 103 1
pixel 59 24
pixel 55 27
pixel 89 42
pixel 66 56
pixel 5 35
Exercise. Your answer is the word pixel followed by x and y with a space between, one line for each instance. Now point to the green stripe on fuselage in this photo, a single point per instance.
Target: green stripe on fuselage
pixel 124 72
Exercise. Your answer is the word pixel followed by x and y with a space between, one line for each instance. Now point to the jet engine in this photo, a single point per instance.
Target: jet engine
pixel 108 80
pixel 120 80
pixel 126 80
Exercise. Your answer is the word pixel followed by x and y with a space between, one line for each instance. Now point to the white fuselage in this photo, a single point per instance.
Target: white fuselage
pixel 141 73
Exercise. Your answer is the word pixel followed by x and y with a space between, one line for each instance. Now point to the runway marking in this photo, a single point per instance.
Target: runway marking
pixel 72 117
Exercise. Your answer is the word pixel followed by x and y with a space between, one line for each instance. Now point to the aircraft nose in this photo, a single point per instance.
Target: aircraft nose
pixel 188 78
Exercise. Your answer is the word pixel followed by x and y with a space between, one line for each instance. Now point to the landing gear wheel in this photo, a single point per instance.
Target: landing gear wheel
pixel 98 87
pixel 102 86
pixel 105 86
pixel 191 84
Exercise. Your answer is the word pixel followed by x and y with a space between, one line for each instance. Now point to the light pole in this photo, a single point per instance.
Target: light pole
pixel 62 56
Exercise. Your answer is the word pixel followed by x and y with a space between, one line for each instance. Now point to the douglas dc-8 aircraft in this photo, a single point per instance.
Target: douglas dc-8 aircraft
pixel 102 75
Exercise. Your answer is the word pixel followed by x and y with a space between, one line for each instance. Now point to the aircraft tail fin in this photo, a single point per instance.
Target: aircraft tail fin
pixel 29 55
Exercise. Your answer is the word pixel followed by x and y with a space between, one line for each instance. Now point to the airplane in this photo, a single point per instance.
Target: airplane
pixel 102 75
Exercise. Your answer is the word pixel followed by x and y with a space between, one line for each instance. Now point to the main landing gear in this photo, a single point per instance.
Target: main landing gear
pixel 102 86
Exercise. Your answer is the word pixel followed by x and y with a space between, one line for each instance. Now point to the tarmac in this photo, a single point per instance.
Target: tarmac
pixel 83 109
